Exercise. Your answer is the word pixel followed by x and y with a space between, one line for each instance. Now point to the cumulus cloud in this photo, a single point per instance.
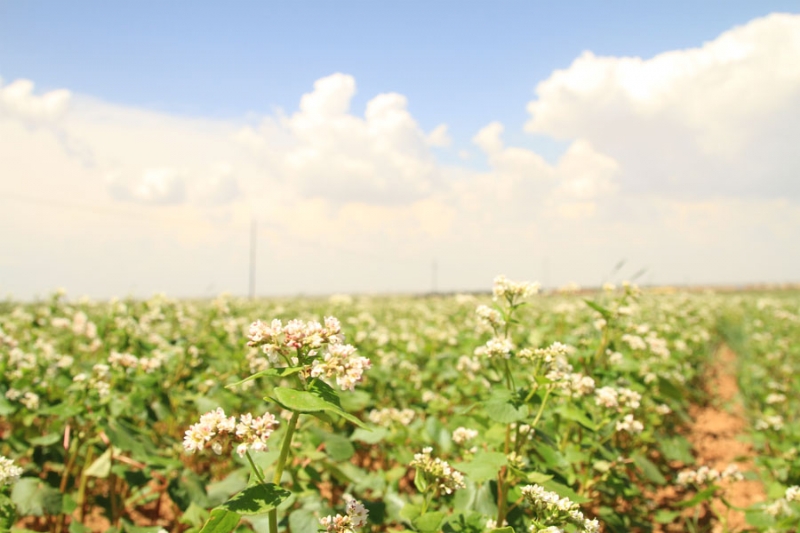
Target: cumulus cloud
pixel 18 101
pixel 219 187
pixel 653 143
pixel 570 188
pixel 439 137
pixel 719 120
pixel 327 152
pixel 159 186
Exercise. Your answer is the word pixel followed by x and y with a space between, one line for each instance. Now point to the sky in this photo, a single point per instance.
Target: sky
pixel 395 146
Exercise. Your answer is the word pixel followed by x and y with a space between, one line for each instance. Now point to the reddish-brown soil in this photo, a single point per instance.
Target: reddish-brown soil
pixel 716 436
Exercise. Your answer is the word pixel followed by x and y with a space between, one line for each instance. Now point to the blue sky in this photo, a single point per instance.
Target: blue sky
pixel 139 139
pixel 463 63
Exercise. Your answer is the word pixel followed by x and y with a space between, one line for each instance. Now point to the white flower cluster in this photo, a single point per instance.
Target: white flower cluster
pixel 629 425
pixel 495 347
pixel 285 344
pixel 634 341
pixel 774 398
pixel 511 290
pixel 355 517
pixel 339 362
pixel 555 364
pixel 552 511
pixel 19 363
pixel 462 435
pixel 618 399
pixel 215 429
pixel 657 345
pixel 490 316
pixel 385 417
pixel 663 409
pixel 277 340
pixel 773 422
pixel 29 399
pixel 131 362
pixel 99 380
pixel 704 475
pixel 9 472
pixel 468 366
pixel 781 506
pixel 437 471
pixel 576 385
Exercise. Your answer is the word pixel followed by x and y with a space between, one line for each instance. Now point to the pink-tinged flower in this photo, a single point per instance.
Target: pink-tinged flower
pixel 215 430
pixel 340 363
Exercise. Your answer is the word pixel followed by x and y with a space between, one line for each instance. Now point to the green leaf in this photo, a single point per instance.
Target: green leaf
pixel 270 372
pixel 300 401
pixel 370 437
pixel 599 308
pixel 507 529
pixel 8 513
pixel 355 400
pixel 45 440
pixel 33 497
pixel 6 407
pixel 565 492
pixel 677 449
pixel 538 478
pixel 759 519
pixel 221 521
pixel 257 499
pixel 484 466
pixel 570 412
pixel 503 408
pixel 220 491
pixel 77 527
pixel 100 467
pixel 428 522
pixel 464 522
pixel 665 517
pixel 650 470
pixel 303 520
pixel 312 401
pixel 339 448
pixel 420 481
pixel 194 516
pixel 701 496
pixel 410 512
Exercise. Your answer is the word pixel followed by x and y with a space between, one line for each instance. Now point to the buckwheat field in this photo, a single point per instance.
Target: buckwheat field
pixel 511 411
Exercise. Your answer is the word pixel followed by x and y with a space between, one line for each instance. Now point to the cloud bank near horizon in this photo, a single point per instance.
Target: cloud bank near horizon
pixel 683 162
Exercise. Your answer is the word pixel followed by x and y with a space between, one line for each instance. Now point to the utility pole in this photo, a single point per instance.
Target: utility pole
pixel 253 240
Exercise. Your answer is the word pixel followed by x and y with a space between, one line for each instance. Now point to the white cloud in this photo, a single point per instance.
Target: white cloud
pixel 352 200
pixel 719 120
pixel 522 178
pixel 439 137
pixel 220 187
pixel 153 186
pixel 329 153
pixel 18 101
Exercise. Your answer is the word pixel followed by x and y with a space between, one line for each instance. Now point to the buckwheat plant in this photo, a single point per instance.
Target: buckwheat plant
pixel 355 518
pixel 9 474
pixel 434 477
pixel 316 357
pixel 552 511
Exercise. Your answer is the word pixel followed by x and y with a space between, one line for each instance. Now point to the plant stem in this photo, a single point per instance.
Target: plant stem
pixel 276 479
pixel 255 469
pixel 541 408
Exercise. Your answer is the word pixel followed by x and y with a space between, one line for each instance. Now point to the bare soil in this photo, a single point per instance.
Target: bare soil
pixel 716 436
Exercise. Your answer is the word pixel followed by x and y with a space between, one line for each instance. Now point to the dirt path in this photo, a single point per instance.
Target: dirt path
pixel 714 435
